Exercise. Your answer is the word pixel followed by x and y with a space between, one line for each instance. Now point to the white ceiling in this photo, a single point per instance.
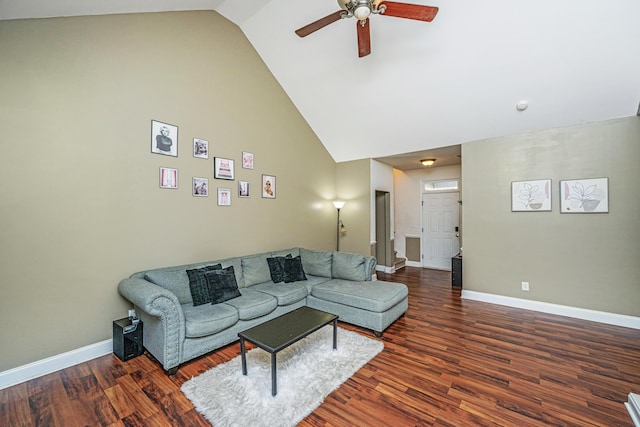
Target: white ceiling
pixel 428 85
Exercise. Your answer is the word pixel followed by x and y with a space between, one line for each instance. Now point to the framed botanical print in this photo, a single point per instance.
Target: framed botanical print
pixel 531 196
pixel 584 195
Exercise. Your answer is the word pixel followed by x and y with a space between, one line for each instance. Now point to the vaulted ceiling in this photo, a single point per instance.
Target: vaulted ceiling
pixel 428 85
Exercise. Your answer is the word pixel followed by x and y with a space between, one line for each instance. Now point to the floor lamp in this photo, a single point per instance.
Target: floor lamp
pixel 338 205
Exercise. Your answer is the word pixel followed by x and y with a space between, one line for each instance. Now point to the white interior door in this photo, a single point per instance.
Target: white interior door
pixel 440 222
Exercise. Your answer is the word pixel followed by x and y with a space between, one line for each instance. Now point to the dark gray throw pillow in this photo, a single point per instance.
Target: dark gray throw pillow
pixel 276 268
pixel 222 285
pixel 198 284
pixel 293 270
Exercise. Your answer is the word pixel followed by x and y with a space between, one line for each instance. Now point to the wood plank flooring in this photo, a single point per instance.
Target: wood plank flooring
pixel 447 362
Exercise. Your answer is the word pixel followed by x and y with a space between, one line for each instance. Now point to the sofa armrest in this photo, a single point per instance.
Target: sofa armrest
pixel 161 312
pixel 370 267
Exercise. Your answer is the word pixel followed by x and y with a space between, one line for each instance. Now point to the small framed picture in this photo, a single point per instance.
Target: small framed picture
pixel 200 148
pixel 224 197
pixel 223 168
pixel 531 196
pixel 584 195
pixel 168 178
pixel 164 138
pixel 247 160
pixel 268 186
pixel 243 189
pixel 200 187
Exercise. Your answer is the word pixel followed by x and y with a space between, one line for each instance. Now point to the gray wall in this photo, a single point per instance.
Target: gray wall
pixel 79 199
pixel 589 261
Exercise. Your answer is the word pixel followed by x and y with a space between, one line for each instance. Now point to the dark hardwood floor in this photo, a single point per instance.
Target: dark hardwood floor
pixel 447 362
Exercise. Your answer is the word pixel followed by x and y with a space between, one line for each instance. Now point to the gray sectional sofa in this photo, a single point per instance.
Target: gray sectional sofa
pixel 176 330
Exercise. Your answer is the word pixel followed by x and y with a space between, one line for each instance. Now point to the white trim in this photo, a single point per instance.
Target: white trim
pixel 633 406
pixel 413 263
pixel 51 364
pixel 386 269
pixel 560 310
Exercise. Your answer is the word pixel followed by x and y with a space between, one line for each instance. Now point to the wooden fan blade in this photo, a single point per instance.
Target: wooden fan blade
pixel 320 23
pixel 409 11
pixel 364 38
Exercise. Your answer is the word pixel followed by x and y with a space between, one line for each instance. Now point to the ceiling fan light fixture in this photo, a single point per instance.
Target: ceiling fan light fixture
pixel 362 12
pixel 428 162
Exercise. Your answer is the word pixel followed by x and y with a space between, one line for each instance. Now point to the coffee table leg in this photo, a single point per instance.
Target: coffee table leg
pixel 244 356
pixel 274 381
pixel 335 334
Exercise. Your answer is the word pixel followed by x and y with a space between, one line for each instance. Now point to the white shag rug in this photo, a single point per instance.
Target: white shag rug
pixel 307 372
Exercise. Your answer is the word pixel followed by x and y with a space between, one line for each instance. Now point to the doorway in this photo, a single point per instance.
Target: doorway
pixel 440 226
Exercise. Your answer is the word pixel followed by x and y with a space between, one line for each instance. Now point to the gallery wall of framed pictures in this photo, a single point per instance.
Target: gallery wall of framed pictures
pixel 577 196
pixel 164 141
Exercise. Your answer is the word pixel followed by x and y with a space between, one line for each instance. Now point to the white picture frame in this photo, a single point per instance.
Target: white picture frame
pixel 531 196
pixel 579 196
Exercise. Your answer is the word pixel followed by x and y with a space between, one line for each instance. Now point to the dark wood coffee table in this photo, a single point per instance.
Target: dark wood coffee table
pixel 279 333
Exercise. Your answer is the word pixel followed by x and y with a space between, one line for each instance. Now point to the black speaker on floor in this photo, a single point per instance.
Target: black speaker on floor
pixel 127 338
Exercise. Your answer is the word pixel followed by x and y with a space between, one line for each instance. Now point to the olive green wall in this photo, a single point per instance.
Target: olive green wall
pixel 80 201
pixel 354 187
pixel 588 261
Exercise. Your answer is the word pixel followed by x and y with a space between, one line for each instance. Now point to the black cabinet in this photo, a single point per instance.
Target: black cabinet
pixel 127 338
pixel 456 271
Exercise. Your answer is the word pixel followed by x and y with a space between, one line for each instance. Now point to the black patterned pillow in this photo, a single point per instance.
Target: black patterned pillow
pixel 222 285
pixel 293 270
pixel 276 268
pixel 198 284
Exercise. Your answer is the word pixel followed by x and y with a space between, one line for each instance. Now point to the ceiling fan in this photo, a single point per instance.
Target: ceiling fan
pixel 361 9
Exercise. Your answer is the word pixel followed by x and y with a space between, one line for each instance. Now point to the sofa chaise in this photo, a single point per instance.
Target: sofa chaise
pixel 178 326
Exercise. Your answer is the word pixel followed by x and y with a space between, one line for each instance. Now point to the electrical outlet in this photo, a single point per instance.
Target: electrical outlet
pixel 132 313
pixel 525 286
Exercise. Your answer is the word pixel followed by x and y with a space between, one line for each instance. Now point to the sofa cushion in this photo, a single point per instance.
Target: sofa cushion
pixel 285 293
pixel 276 268
pixel 174 280
pixel 348 266
pixel 255 269
pixel 208 319
pixel 316 263
pixel 198 284
pixel 293 271
pixel 252 304
pixel 375 296
pixel 222 285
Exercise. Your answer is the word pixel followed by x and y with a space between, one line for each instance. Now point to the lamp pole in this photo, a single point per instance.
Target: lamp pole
pixel 338 233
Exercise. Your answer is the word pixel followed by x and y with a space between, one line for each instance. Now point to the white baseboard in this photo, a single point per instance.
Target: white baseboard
pixel 560 310
pixel 51 364
pixel 413 263
pixel 386 269
pixel 633 406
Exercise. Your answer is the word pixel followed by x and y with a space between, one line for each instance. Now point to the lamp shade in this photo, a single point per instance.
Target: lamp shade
pixel 338 204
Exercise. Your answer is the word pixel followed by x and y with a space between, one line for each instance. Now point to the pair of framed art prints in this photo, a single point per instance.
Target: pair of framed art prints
pixel 576 195
pixel 164 140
